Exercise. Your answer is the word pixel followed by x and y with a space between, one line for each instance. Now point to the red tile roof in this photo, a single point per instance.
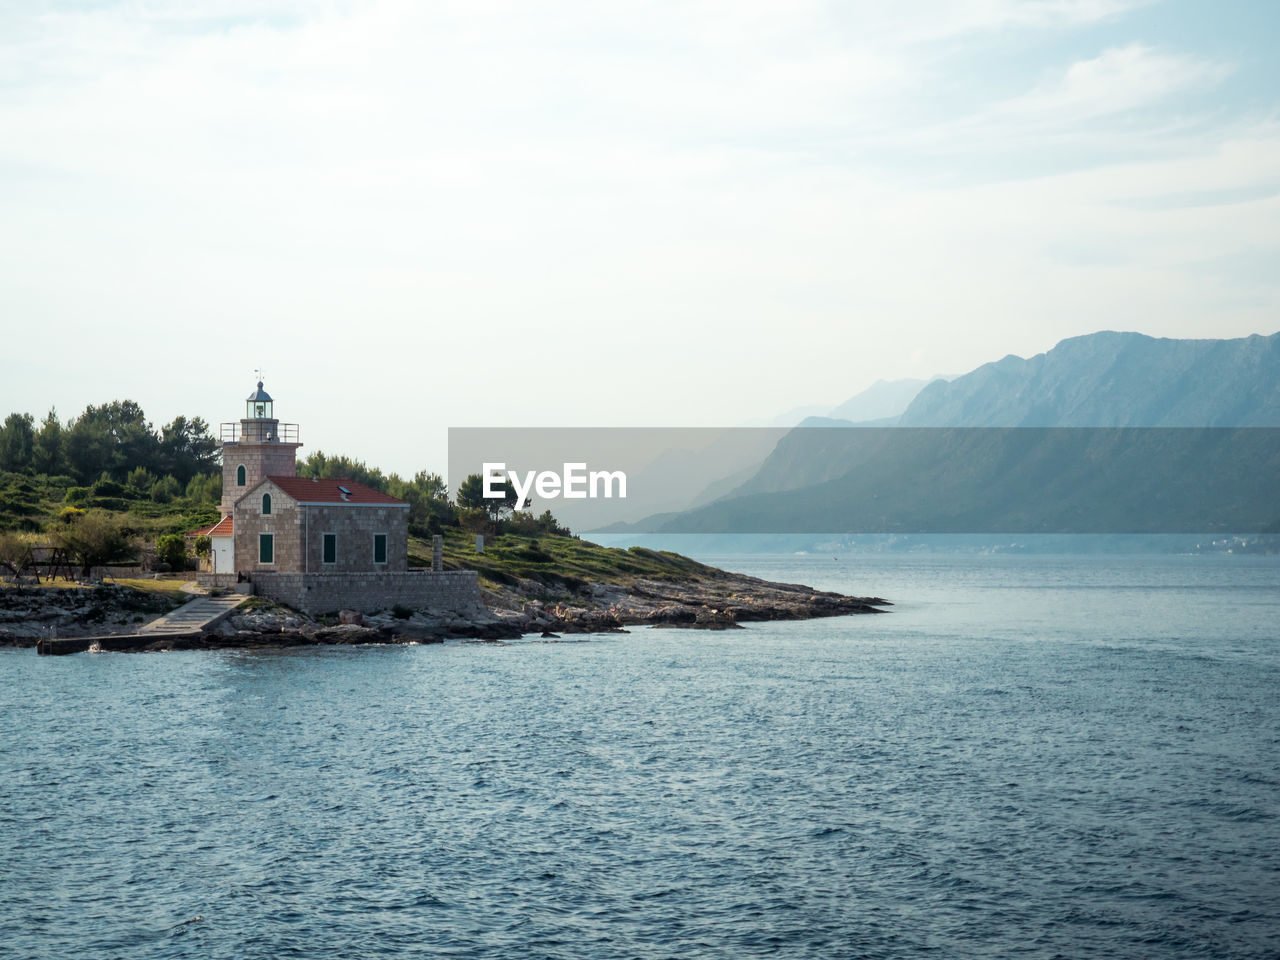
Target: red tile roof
pixel 223 528
pixel 220 529
pixel 306 490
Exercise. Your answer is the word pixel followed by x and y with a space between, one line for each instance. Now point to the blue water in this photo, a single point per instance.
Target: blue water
pixel 1031 757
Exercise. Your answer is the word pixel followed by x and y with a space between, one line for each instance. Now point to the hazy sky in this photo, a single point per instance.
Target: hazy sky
pixel 416 215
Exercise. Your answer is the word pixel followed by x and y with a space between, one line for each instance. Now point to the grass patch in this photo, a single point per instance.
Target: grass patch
pixel 59 584
pixel 566 562
pixel 257 604
pixel 171 588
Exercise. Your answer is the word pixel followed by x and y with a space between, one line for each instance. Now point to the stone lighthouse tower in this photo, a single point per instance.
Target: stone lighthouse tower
pixel 258 446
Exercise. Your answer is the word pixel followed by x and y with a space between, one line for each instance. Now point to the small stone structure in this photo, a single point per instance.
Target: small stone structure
pixel 221 558
pixel 318 545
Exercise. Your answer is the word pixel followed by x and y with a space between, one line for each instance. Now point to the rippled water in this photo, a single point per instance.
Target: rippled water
pixel 1032 757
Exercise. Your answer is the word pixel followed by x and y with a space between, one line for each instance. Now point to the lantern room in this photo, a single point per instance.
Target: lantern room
pixel 258 406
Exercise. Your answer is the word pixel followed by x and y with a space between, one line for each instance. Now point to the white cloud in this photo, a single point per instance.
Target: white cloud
pixel 1117 81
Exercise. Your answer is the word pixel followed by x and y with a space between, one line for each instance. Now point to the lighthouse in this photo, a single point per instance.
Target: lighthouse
pixel 258 446
pixel 316 544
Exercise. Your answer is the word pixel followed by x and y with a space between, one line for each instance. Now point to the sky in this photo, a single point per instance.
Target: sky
pixel 417 215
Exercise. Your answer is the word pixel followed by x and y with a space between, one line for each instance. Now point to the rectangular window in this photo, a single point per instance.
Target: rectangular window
pixel 329 551
pixel 379 548
pixel 266 548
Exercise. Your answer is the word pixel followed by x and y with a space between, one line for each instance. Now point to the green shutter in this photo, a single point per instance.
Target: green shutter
pixel 266 548
pixel 379 548
pixel 240 476
pixel 266 504
pixel 330 548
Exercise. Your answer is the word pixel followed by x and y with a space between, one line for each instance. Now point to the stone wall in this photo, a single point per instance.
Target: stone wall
pixel 354 526
pixel 319 593
pixel 208 579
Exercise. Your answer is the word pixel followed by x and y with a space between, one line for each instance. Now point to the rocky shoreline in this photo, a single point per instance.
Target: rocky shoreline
pixel 715 601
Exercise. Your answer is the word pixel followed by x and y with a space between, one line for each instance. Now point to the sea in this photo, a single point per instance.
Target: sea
pixel 1029 756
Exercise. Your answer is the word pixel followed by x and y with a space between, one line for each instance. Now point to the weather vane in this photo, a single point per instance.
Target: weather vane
pixel 260 374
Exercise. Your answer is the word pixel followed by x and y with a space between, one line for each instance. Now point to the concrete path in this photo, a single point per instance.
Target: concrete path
pixel 194 615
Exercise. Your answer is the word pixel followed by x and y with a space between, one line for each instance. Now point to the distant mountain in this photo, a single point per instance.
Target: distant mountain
pixel 880 401
pixel 1114 380
pixel 828 422
pixel 879 405
pixel 970 480
pixel 1004 480
pixel 791 418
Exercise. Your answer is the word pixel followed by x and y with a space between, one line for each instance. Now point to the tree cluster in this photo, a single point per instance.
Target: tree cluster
pixel 498 514
pixel 114 439
pixel 94 540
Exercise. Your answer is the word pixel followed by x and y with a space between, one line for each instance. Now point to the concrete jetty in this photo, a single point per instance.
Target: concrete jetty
pixel 188 620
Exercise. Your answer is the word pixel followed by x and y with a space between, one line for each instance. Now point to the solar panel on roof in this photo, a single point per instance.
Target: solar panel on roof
pixel 345 490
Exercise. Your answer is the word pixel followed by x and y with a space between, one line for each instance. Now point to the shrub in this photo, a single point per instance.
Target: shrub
pixel 526 524
pixel 104 486
pixel 18 496
pixel 523 523
pixel 15 552
pixel 165 489
pixel 139 481
pixel 118 504
pixel 55 488
pixel 171 548
pixel 94 539
pixel 205 488
pixel 475 521
pixel 70 514
pixel 401 612
pixel 547 523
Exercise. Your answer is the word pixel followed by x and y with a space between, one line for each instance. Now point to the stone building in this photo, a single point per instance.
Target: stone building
pixel 318 545
pixel 287 524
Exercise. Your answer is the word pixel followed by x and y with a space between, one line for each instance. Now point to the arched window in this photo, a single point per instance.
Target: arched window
pixel 240 475
pixel 266 504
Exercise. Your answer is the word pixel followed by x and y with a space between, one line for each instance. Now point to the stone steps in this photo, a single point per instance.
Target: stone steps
pixel 194 615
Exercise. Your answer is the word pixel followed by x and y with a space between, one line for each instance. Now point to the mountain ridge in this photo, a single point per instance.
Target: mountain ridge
pixel 1114 379
pixel 1107 379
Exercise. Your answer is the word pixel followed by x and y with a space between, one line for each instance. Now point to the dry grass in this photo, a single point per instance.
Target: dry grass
pixel 169 586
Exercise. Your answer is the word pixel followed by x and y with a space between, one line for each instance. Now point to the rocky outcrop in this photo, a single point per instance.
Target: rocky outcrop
pixel 29 612
pixel 717 600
